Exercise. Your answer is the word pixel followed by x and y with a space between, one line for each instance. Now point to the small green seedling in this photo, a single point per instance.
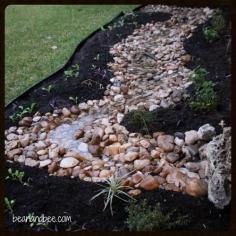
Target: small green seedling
pixel 93 66
pixel 74 99
pixel 210 34
pixel 48 89
pixel 114 189
pixel 23 111
pixel 16 176
pixel 102 28
pixel 72 72
pixel 97 57
pixel 9 205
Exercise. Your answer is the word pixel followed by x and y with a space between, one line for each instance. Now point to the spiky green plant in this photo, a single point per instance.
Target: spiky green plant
pixel 114 189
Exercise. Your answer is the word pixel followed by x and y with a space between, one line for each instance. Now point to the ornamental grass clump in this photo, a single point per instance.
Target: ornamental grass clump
pixel 114 189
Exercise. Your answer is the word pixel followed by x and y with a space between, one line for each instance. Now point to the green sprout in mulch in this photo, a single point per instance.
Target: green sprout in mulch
pixel 205 98
pixel 17 176
pixel 74 99
pixel 22 111
pixel 213 31
pixel 142 217
pixel 9 204
pixel 72 72
pixel 48 88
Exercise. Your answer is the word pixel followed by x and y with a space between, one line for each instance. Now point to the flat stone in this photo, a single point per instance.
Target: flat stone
pixel 191 137
pixel 130 156
pixel 172 157
pixel 30 162
pixel 196 187
pixel 206 132
pixel 44 163
pixel 68 162
pixel 149 183
pixel 140 164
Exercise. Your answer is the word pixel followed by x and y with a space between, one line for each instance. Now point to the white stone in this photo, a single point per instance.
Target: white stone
pixel 68 162
pixel 191 137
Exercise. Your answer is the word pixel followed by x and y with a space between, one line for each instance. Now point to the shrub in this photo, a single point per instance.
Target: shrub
pixel 141 217
pixel 205 97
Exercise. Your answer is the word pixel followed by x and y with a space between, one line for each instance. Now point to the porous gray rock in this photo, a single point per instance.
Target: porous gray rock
pixel 219 169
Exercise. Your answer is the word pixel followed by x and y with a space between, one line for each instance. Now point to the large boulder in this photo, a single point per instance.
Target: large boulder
pixel 219 169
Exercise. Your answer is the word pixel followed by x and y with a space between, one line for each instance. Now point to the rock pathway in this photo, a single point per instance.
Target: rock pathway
pixel 87 141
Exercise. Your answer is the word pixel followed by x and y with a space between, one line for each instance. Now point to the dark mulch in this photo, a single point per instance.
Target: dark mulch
pixel 216 60
pixel 58 196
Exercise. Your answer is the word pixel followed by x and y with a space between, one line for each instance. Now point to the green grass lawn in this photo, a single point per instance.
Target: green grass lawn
pixel 32 31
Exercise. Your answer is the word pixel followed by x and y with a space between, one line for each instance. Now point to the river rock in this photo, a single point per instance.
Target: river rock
pixel 172 157
pixel 12 136
pixel 26 121
pixel 140 164
pixel 66 112
pixel 149 183
pixel 134 192
pixel 11 154
pixel 68 162
pixel 78 134
pixel 44 163
pixel 105 173
pixel 166 142
pixel 130 156
pixel 191 137
pixel 206 132
pixel 30 162
pixel 196 187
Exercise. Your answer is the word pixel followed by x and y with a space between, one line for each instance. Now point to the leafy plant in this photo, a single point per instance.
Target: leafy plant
pixel 48 89
pixel 23 111
pixel 142 217
pixel 17 176
pixel 9 204
pixel 216 27
pixel 73 71
pixel 205 97
pixel 74 99
pixel 210 34
pixel 114 189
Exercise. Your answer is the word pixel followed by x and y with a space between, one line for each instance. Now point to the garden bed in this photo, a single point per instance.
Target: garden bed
pixel 98 61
